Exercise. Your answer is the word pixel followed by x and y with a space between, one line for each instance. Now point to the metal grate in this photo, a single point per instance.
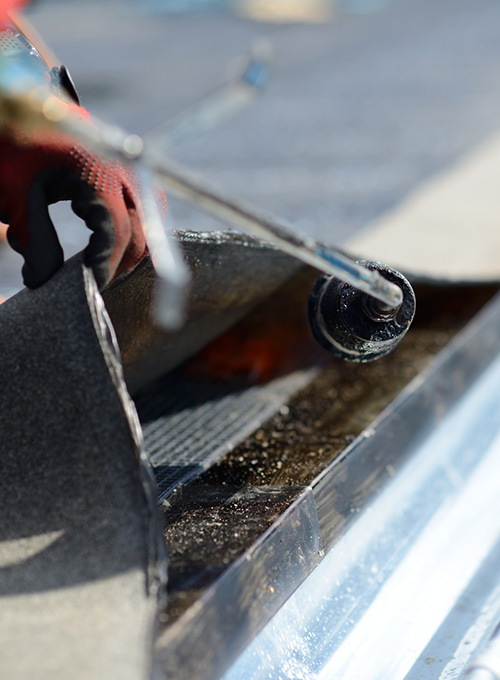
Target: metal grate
pixel 189 424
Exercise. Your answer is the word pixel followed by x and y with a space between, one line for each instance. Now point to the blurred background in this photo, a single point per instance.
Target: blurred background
pixel 366 99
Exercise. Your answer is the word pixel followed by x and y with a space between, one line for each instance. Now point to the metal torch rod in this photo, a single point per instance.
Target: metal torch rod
pixel 217 106
pixel 188 187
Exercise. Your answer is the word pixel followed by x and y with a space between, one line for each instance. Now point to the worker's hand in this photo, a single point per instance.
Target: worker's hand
pixel 43 166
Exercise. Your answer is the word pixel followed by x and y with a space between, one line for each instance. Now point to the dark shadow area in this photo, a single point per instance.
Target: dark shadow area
pixel 175 392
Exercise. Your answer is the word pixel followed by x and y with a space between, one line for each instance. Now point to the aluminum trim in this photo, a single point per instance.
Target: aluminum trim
pixel 383 591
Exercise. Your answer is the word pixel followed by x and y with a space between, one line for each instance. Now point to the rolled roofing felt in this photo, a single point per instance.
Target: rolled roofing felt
pixel 80 548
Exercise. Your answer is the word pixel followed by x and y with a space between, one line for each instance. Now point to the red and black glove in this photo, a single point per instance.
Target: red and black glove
pixel 44 166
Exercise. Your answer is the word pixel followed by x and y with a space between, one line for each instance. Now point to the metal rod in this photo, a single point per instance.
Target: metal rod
pixel 173 276
pixel 216 107
pixel 185 185
pixel 189 187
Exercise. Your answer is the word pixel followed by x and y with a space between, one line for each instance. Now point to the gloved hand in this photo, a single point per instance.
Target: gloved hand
pixel 40 167
pixel 6 7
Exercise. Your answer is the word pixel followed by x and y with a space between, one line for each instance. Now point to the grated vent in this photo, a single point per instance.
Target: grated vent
pixel 190 424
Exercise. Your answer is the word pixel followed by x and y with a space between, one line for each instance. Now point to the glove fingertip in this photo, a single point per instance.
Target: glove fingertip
pixel 100 269
pixel 36 272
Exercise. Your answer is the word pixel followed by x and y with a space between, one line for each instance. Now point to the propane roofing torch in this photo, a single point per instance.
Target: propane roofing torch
pixel 358 310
